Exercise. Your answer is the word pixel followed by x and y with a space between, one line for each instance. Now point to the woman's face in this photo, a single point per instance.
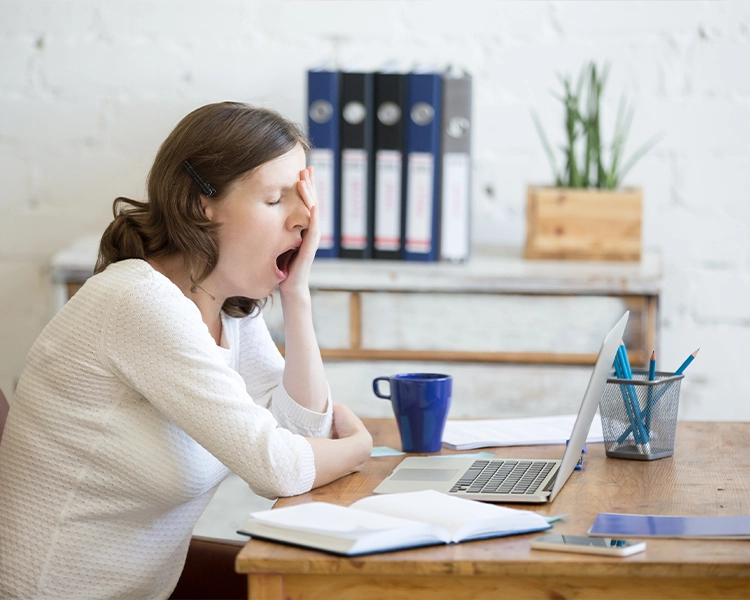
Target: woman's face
pixel 262 219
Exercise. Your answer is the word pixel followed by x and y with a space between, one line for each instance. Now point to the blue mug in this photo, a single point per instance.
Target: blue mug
pixel 420 402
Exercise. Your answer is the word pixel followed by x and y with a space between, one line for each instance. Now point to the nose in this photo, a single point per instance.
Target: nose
pixel 299 215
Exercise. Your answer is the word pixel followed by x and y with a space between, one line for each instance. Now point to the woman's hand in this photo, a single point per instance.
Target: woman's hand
pixel 304 376
pixel 345 454
pixel 299 270
pixel 346 425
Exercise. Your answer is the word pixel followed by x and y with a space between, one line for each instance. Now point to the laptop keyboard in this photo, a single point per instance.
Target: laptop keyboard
pixel 504 477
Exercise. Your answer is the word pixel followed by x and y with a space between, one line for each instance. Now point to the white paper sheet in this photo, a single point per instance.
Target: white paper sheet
pixel 487 433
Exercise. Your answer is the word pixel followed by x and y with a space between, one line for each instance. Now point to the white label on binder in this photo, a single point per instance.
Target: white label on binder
pixel 454 239
pixel 322 161
pixel 419 181
pixel 388 200
pixel 354 199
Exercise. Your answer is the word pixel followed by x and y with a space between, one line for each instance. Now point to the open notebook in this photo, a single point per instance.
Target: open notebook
pixel 510 479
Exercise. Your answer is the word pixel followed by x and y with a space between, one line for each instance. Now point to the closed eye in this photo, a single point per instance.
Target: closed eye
pixel 275 202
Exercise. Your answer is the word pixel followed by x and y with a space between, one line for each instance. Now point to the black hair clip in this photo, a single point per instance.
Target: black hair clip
pixel 206 188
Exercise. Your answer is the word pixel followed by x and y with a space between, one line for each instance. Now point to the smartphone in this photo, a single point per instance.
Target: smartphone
pixel 587 545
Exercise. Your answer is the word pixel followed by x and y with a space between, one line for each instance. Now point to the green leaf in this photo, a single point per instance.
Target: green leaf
pixel 547 147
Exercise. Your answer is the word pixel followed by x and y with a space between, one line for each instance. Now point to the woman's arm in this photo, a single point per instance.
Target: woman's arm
pixel 304 376
pixel 335 458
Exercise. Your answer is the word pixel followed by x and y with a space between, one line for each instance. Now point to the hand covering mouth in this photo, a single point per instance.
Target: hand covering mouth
pixel 284 260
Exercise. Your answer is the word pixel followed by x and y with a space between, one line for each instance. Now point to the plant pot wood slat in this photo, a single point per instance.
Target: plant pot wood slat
pixel 583 224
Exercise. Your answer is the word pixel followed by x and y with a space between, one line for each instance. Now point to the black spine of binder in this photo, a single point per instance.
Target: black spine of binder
pixel 390 165
pixel 357 165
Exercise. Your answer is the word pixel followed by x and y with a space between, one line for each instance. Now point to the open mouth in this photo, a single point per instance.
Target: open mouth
pixel 284 260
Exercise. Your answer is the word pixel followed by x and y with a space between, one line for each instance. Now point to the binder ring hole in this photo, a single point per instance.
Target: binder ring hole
pixel 354 113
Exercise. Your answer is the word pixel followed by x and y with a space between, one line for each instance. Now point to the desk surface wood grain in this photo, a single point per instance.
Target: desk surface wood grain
pixel 709 474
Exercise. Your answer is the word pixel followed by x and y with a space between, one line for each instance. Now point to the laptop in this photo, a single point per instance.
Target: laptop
pixel 533 481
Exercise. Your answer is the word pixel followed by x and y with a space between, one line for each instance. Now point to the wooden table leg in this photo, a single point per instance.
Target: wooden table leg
pixel 265 586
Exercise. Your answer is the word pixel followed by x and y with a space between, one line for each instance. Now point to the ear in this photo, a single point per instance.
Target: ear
pixel 207 207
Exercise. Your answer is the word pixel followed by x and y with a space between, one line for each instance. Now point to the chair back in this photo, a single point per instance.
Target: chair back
pixel 4 408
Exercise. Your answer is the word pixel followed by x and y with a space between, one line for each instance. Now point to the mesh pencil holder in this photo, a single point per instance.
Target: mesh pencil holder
pixel 639 417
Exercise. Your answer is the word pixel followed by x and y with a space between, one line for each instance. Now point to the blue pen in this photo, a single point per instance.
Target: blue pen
pixel 635 425
pixel 651 377
pixel 653 399
pixel 620 373
pixel 688 360
pixel 633 395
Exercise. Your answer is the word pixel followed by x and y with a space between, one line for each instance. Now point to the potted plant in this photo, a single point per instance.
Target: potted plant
pixel 586 215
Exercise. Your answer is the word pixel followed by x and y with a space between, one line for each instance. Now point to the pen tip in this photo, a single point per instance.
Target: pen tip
pixel 653 354
pixel 696 353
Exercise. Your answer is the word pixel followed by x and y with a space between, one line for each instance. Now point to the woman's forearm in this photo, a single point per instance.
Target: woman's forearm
pixel 304 375
pixel 337 458
pixel 347 453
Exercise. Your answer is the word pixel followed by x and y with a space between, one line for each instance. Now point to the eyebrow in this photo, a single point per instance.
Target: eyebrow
pixel 273 189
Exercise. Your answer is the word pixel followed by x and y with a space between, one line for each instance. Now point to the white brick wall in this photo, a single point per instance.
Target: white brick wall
pixel 89 88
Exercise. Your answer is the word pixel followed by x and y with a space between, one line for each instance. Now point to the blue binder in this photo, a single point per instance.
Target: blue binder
pixel 423 135
pixel 323 104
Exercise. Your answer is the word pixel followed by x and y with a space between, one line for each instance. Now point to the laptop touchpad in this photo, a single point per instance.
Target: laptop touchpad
pixel 424 474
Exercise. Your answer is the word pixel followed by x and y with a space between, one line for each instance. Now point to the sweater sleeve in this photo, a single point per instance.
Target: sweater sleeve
pixel 156 342
pixel 262 367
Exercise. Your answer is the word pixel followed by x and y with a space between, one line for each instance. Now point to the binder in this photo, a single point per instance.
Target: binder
pixel 390 164
pixel 455 194
pixel 323 90
pixel 357 165
pixel 423 167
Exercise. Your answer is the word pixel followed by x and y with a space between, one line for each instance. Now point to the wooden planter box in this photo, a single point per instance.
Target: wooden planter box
pixel 583 224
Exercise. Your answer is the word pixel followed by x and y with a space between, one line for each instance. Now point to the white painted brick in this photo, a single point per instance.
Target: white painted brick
pixel 174 19
pixel 15 56
pixel 22 319
pixel 720 182
pixel 721 68
pixel 329 19
pixel 23 239
pixel 92 68
pixel 89 180
pixel 256 72
pixel 628 19
pixel 34 123
pixel 15 173
pixel 47 17
pixel 705 238
pixel 723 294
pixel 139 126
pixel 480 18
pixel 695 126
pixel 499 209
pixel 678 290
pixel 727 19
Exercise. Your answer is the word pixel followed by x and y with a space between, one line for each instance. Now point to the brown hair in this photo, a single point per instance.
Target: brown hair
pixel 221 143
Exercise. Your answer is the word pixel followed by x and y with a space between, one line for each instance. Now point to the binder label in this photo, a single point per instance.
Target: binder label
pixel 388 199
pixel 322 161
pixel 354 199
pixel 454 242
pixel 419 181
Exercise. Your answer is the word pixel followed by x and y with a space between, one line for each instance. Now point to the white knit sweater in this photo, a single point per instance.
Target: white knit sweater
pixel 126 419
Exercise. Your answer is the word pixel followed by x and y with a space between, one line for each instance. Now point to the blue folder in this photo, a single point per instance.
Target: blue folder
pixel 323 113
pixel 423 135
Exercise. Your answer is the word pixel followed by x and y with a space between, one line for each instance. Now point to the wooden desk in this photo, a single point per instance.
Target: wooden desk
pixel 709 474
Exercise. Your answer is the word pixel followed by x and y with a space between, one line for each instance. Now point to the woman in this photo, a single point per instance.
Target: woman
pixel 159 375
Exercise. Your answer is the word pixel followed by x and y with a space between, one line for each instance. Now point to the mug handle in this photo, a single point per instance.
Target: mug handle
pixel 376 388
